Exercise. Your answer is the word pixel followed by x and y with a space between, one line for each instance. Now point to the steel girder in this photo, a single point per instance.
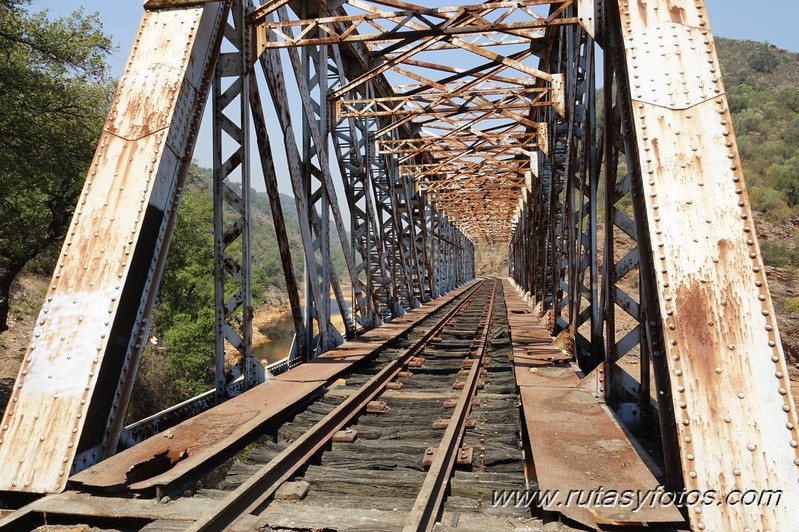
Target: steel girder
pixel 299 352
pixel 553 250
pixel 619 275
pixel 451 105
pixel 271 64
pixel 674 145
pixel 232 205
pixel 451 150
pixel 78 372
pixel 350 139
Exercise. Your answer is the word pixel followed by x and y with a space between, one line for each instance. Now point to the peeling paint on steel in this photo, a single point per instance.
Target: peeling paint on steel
pixel 736 418
pixel 132 173
pixel 543 137
pixel 559 94
pixel 534 164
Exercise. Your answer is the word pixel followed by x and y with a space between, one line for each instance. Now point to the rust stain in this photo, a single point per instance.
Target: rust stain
pixel 725 248
pixel 723 347
pixel 698 320
pixel 58 381
pixel 642 11
pixel 656 153
pixel 157 464
pixel 678 15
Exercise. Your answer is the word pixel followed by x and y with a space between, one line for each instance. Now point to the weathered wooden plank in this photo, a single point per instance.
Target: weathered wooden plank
pixel 333 515
pixel 73 503
pixel 404 484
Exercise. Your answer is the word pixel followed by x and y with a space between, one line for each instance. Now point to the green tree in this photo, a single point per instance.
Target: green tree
pixel 787 180
pixel 187 285
pixel 54 94
pixel 790 98
pixel 181 365
pixel 764 60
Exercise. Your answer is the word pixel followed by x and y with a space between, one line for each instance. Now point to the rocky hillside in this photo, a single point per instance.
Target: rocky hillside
pixel 491 260
pixel 762 84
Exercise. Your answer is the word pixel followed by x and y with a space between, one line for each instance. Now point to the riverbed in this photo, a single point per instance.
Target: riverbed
pixel 273 331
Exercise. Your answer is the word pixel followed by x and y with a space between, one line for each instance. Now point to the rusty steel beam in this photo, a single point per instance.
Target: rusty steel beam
pixel 271 65
pixel 723 350
pixel 270 181
pixel 69 401
pixel 451 169
pixel 154 5
pixel 316 135
pixel 448 111
pixel 407 25
pixel 233 273
pixel 449 104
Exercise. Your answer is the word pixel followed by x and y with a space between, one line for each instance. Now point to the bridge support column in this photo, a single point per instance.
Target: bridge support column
pixel 637 266
pixel 68 405
pixel 231 124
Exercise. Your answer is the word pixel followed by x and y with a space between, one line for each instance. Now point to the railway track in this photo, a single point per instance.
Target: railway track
pixel 384 441
pixel 428 427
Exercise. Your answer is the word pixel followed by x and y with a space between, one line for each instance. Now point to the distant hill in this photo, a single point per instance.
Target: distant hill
pixel 266 263
pixel 762 84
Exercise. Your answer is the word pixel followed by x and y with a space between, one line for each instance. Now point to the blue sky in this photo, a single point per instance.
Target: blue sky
pixel 739 19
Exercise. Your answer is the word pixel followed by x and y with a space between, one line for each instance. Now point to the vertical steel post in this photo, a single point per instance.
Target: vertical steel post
pixel 270 181
pixel 231 147
pixel 651 323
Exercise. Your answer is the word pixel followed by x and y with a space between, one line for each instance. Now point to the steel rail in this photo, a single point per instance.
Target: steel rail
pixel 255 491
pixel 428 502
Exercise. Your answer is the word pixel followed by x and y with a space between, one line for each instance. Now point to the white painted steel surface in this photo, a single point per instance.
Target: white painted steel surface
pixel 736 418
pixel 131 189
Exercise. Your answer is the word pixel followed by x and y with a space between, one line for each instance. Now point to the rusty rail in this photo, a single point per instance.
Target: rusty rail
pixel 428 502
pixel 251 495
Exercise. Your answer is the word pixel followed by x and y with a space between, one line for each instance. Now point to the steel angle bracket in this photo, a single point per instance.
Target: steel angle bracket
pixel 559 94
pixel 586 15
pixel 155 5
pixel 542 138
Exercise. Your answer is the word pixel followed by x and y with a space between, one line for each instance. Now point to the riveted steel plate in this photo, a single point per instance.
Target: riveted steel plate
pixel 586 14
pixel 542 140
pixel 670 65
pixel 94 302
pixel 736 419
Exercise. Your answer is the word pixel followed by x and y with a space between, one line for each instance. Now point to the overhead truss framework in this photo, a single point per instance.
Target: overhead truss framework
pixel 464 85
pixel 446 127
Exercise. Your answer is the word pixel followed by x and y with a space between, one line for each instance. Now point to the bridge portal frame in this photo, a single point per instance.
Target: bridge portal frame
pixel 418 204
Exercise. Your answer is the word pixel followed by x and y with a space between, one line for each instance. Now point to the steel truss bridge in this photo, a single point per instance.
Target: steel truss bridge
pixel 624 212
